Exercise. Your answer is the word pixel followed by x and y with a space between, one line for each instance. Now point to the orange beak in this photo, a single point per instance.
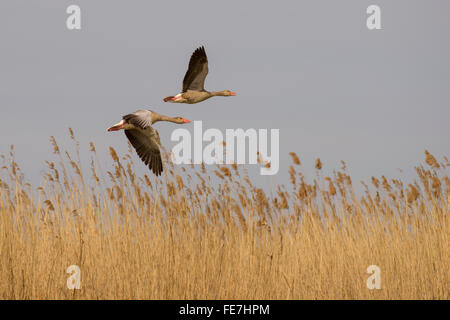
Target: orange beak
pixel 232 93
pixel 187 121
pixel 115 128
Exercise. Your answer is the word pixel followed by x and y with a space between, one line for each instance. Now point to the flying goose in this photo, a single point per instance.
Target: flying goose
pixel 144 139
pixel 194 81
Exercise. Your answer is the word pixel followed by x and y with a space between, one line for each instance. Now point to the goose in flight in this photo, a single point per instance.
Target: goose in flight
pixel 194 81
pixel 144 139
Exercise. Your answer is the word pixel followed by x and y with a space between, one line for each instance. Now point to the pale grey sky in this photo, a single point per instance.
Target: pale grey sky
pixel 336 90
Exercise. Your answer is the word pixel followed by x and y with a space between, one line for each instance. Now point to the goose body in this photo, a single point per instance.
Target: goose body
pixel 194 81
pixel 144 139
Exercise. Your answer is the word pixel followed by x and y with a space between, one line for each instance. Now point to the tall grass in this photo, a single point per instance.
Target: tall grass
pixel 191 235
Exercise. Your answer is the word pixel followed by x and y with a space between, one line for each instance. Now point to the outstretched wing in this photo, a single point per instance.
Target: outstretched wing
pixel 197 71
pixel 147 147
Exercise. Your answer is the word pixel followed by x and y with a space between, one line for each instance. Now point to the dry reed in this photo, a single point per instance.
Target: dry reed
pixel 189 235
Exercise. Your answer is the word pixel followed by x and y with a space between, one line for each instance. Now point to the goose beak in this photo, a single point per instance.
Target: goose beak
pixel 113 128
pixel 187 121
pixel 117 126
pixel 232 93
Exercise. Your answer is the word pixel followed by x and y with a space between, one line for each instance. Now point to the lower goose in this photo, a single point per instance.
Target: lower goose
pixel 144 139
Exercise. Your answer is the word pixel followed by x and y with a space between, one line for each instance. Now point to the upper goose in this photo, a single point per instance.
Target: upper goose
pixel 194 81
pixel 138 129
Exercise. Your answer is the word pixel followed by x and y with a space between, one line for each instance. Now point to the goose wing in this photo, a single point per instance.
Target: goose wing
pixel 195 76
pixel 145 142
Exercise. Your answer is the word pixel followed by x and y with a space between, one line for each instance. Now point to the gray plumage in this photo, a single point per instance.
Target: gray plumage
pixel 141 118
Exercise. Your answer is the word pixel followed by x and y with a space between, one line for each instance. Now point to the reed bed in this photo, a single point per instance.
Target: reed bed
pixel 197 233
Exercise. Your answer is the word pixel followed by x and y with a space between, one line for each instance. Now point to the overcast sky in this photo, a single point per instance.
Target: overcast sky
pixel 312 69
